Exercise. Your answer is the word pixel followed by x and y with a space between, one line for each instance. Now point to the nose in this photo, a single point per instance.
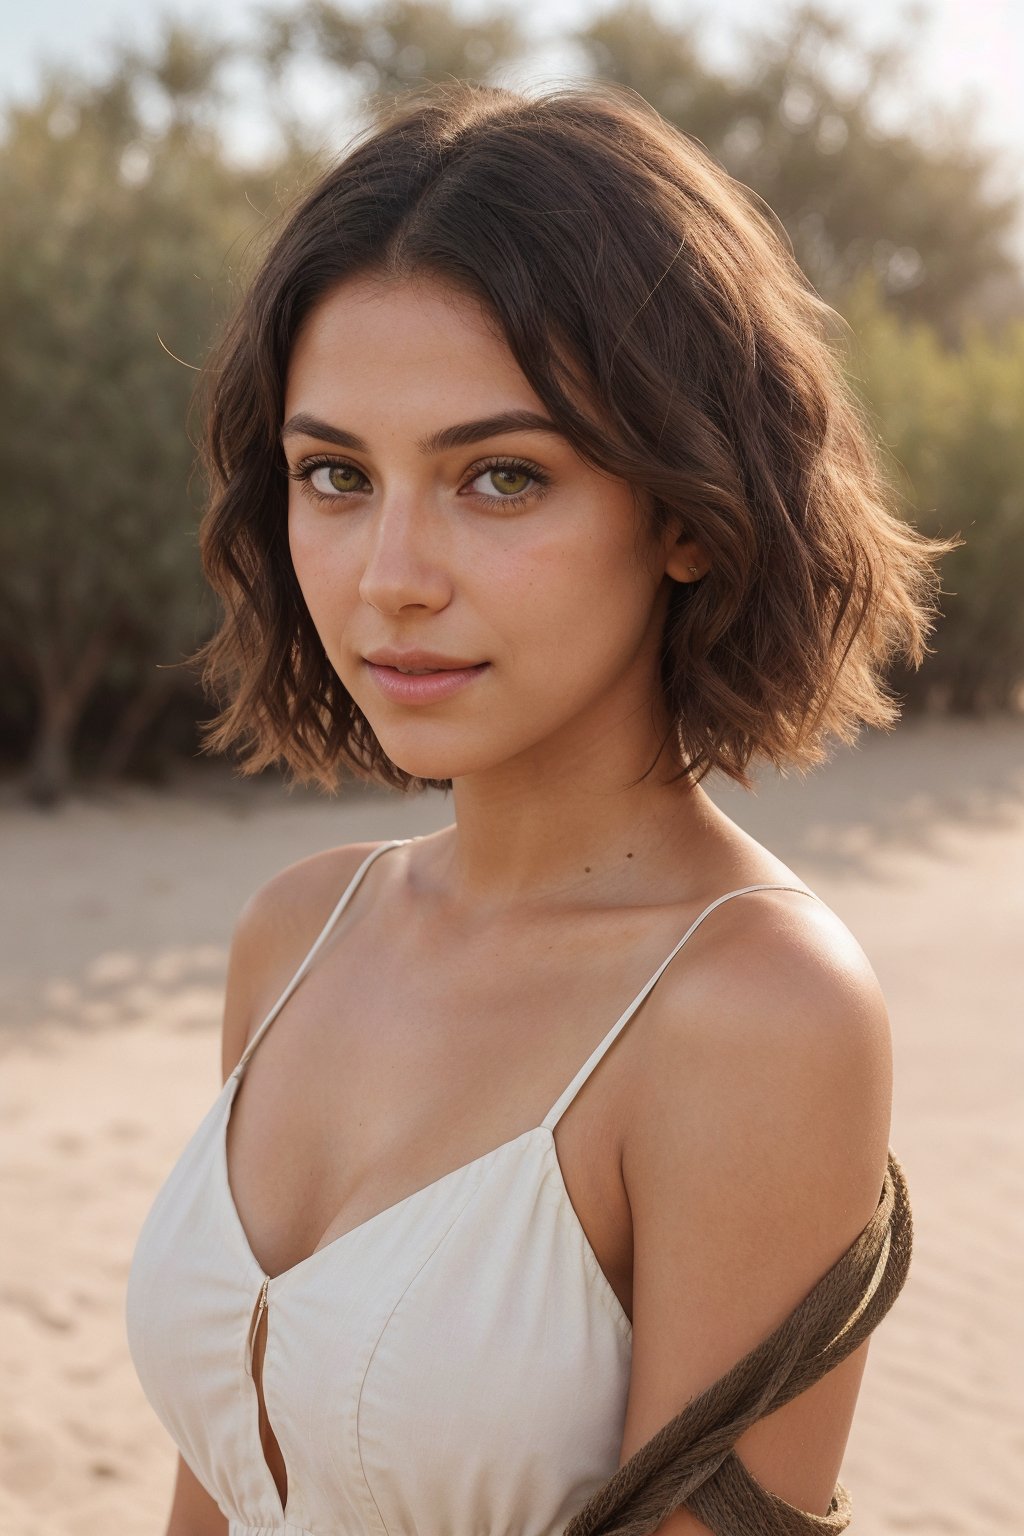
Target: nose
pixel 401 567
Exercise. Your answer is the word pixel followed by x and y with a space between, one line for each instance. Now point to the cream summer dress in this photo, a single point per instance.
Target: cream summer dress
pixel 456 1365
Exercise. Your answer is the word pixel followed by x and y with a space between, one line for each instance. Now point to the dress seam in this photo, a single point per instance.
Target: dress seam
pixel 485 1171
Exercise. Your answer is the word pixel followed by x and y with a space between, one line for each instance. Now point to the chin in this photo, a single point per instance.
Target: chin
pixel 442 760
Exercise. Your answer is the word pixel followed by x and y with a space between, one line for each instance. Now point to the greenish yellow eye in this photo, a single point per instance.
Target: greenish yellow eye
pixel 339 477
pixel 511 482
pixel 332 480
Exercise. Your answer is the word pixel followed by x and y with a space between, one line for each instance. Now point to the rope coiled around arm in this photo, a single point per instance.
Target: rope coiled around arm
pixel 691 1463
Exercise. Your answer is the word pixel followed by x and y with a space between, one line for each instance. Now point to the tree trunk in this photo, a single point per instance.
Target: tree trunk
pixel 135 719
pixel 49 768
pixel 63 692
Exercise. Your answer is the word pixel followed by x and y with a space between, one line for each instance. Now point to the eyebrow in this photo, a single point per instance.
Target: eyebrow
pixel 459 436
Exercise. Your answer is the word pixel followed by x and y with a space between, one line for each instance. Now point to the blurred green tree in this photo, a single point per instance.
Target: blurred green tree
pixel 801 121
pixel 112 267
pixel 394 44
pixel 951 422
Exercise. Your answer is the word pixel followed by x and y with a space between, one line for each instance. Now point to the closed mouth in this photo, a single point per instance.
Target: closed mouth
pixel 421 665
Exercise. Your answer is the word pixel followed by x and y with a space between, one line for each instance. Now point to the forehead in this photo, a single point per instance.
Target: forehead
pixel 405 340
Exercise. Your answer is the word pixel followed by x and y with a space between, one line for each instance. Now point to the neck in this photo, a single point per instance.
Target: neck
pixel 575 822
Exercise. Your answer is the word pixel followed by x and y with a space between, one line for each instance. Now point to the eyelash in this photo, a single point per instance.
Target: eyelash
pixel 305 469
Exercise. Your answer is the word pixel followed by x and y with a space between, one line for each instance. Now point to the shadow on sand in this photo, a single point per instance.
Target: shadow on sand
pixel 904 792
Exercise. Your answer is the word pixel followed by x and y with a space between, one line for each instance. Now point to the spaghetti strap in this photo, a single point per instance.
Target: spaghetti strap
pixel 321 938
pixel 558 1109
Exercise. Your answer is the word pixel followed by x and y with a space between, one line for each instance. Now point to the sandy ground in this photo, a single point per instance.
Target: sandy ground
pixel 114 919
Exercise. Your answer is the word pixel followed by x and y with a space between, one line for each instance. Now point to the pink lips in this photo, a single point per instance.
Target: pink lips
pixel 422 687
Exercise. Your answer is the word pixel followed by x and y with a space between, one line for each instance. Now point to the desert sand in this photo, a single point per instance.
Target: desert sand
pixel 115 914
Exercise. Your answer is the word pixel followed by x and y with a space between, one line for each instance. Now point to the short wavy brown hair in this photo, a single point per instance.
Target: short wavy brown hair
pixel 626 269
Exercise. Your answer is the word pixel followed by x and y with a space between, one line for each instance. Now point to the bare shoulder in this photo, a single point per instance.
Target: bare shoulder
pixel 767 1052
pixel 764 1081
pixel 774 1001
pixel 274 930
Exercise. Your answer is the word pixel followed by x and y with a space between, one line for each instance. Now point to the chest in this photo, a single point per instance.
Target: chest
pixel 391 1068
pixel 461 1354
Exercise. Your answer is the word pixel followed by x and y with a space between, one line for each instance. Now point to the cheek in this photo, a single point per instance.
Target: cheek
pixel 579 596
pixel 302 546
pixel 318 560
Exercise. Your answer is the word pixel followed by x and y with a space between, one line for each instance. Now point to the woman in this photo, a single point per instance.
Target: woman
pixel 533 476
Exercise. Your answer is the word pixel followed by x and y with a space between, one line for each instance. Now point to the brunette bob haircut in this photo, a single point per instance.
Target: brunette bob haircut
pixel 662 321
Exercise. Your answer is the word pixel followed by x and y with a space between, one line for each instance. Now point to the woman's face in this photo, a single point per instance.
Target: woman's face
pixel 430 531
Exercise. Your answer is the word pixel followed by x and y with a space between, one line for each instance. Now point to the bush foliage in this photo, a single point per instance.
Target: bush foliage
pixel 951 421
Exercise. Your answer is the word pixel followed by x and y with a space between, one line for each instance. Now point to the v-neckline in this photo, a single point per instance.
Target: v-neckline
pixel 229 1092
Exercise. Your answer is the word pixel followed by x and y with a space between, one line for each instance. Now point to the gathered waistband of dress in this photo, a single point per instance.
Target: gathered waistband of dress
pixel 236 1528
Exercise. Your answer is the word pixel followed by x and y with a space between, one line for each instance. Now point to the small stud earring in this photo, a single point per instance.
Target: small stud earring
pixel 693 571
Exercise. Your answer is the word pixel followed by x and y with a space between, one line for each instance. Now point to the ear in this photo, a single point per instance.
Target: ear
pixel 686 560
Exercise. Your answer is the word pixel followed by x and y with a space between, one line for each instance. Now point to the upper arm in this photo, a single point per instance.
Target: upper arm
pixel 193 1512
pixel 274 931
pixel 758 1158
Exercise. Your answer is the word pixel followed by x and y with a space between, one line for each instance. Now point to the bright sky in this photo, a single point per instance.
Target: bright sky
pixel 972 51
